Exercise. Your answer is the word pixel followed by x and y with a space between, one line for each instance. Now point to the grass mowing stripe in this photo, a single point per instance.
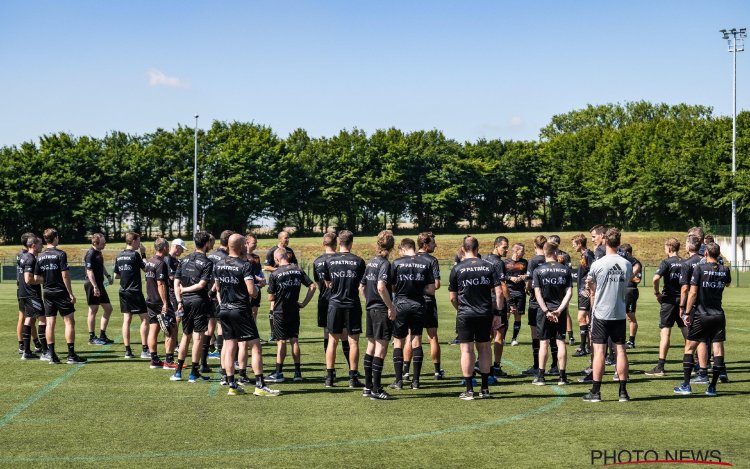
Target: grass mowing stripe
pixel 7 418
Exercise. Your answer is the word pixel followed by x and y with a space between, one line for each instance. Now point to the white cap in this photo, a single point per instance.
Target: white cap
pixel 179 242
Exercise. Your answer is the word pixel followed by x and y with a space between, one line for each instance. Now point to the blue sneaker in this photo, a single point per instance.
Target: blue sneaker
pixel 473 382
pixel 492 380
pixel 195 379
pixel 214 355
pixel 177 376
pixel 700 379
pixel 683 389
pixel 711 391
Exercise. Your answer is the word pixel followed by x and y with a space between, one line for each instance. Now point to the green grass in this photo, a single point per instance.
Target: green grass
pixel 113 412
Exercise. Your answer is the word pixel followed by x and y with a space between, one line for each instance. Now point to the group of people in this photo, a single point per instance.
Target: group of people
pixel 213 295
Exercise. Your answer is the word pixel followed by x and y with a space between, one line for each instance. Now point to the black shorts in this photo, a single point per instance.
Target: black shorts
pixel 238 324
pixel 707 328
pixel 669 314
pixel 519 301
pixel 533 312
pixel 20 305
pixel 584 303
pixel 322 313
pixel 213 310
pixel 378 326
pixel 631 299
pixel 154 310
pixel 31 307
pixel 409 318
pixel 344 317
pixel 473 328
pixel 132 302
pixel 548 330
pixel 195 316
pixel 430 314
pixel 57 302
pixel 91 300
pixel 285 325
pixel 602 330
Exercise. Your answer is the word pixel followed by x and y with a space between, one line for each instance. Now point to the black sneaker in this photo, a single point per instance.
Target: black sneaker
pixel 624 397
pixel 415 384
pixel 499 373
pixel 656 371
pixel 38 348
pixel 723 377
pixel 76 360
pixel 29 356
pixel 609 361
pixel 223 380
pixel 580 353
pixel 538 381
pixel 398 385
pixel 589 378
pixel 571 341
pixel 205 369
pixel 553 371
pixel 106 339
pixel 592 397
pixel 129 354
pixel 355 383
pixel 629 345
pixel 380 395
pixel 54 360
pixel 329 382
pixel 366 392
pixel 244 381
pixel 531 371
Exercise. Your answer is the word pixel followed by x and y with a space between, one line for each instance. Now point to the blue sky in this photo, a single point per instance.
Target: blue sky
pixel 474 69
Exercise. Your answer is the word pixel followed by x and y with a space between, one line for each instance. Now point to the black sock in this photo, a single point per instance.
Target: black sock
pixel 180 364
pixel 661 362
pixel 703 371
pixel 596 386
pixel 407 364
pixel 469 384
pixel 631 339
pixel 222 371
pixel 377 373
pixel 170 357
pixel 535 352
pixel 26 342
pixel 540 373
pixel 144 348
pixel 325 344
pixel 398 363
pixel 437 367
pixel 623 385
pixel 154 356
pixel 329 373
pixel 128 349
pixel 368 371
pixel 570 335
pixel 219 343
pixel 516 329
pixel 37 344
pixel 417 357
pixel 345 349
pixel 194 369
pixel 584 336
pixel 298 368
pixel 42 331
pixel 563 375
pixel 102 333
pixel 230 380
pixel 51 348
pixel 71 350
pixel 243 373
pixel 91 336
pixel 270 322
pixel 204 352
pixel 687 368
pixel 279 368
pixel 259 383
pixel 553 352
pixel 719 368
pixel 485 382
pixel 20 344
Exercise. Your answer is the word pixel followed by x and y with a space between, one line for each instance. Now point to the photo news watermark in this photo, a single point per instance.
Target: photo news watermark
pixel 623 457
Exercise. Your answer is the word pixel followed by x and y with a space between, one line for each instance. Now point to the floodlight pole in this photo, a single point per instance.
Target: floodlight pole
pixel 195 179
pixel 736 40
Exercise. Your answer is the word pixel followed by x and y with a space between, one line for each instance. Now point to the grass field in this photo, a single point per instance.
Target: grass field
pixel 113 412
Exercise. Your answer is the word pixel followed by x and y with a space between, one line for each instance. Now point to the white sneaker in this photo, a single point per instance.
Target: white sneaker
pixel 514 343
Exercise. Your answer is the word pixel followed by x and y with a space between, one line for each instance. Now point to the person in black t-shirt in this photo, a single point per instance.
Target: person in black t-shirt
pixel 213 325
pixel 177 247
pixel 631 293
pixel 411 279
pixel 516 268
pixel 375 287
pixel 157 301
pixel 705 317
pixel 329 245
pixel 193 280
pixel 564 259
pixel 692 245
pixel 535 262
pixel 96 293
pixel 128 266
pixel 343 273
pixel 236 286
pixel 52 267
pixel 471 284
pixel 669 300
pixel 597 237
pixel 553 288
pixel 500 322
pixel 270 265
pixel 586 258
pixel 21 315
pixel 284 285
pixel 251 242
pixel 30 297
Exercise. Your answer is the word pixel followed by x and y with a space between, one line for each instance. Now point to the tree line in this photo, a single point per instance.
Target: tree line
pixel 639 165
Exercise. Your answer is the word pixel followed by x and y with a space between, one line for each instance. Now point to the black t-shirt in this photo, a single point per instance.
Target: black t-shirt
pixel 319 276
pixel 19 270
pixel 285 283
pixel 231 273
pixel 499 264
pixel 129 264
pixel 172 264
pixel 344 271
pixel 50 264
pixel 409 276
pixel 27 263
pixel 711 278
pixel 669 271
pixel 271 261
pixel 156 271
pixel 553 279
pixel 635 262
pixel 600 252
pixel 563 258
pixel 378 269
pixel 584 264
pixel 534 262
pixel 218 255
pixel 435 266
pixel 255 267
pixel 473 280
pixel 192 269
pixel 686 272
pixel 516 269
pixel 94 262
